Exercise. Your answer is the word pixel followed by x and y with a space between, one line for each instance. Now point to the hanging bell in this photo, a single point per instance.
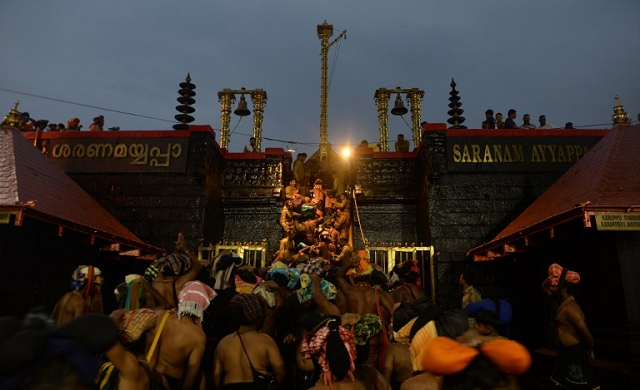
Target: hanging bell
pixel 242 109
pixel 399 108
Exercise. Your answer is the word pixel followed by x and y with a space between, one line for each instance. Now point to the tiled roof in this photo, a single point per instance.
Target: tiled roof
pixel 31 182
pixel 607 178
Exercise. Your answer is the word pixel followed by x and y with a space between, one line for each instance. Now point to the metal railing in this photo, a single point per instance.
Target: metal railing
pixel 254 253
pixel 387 255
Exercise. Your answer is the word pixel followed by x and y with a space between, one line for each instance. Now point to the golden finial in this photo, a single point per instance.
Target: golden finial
pixel 620 116
pixel 13 118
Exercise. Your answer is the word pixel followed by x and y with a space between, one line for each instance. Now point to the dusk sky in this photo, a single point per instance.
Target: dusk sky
pixel 563 58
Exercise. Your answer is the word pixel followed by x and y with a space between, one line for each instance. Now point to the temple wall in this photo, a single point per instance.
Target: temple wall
pixel 251 211
pixel 465 209
pixel 156 206
pixel 408 198
pixel 387 205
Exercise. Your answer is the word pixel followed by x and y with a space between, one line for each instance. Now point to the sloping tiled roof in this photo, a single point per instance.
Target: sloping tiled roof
pixel 30 183
pixel 607 178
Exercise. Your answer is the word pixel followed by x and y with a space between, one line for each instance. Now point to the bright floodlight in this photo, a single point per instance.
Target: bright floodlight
pixel 346 152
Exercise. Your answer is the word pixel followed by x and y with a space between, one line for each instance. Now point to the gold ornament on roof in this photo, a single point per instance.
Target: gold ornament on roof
pixel 13 118
pixel 620 116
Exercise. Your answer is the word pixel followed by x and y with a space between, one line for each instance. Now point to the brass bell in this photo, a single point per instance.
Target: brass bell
pixel 242 109
pixel 399 108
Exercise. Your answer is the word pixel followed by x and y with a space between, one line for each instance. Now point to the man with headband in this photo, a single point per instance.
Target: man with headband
pixel 574 341
pixel 86 282
pixel 182 341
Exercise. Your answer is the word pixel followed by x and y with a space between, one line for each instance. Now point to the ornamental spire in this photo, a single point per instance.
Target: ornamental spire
pixel 186 100
pixel 455 112
pixel 620 116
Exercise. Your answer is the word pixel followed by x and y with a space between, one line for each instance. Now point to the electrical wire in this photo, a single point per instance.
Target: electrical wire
pixel 84 105
pixel 334 63
pixel 236 126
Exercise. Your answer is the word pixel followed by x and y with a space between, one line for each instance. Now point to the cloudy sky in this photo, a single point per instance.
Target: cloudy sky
pixel 564 58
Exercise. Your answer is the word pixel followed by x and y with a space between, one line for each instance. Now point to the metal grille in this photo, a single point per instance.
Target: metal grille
pixel 253 253
pixel 386 257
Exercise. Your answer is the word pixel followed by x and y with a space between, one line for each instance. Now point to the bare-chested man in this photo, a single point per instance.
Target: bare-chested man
pixel 245 353
pixel 342 224
pixel 182 341
pixel 318 197
pixel 408 291
pixel 365 299
pixel 128 355
pixel 397 364
pixel 86 282
pixel 362 299
pixel 175 271
pixel 575 343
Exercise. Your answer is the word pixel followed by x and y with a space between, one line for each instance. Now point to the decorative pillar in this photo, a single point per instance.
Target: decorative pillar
pixel 415 100
pixel 382 97
pixel 325 31
pixel 225 97
pixel 259 98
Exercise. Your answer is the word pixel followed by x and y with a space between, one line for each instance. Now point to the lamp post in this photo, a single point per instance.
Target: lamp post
pixel 414 96
pixel 226 97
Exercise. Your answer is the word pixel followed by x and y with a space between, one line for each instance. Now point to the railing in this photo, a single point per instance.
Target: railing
pixel 253 253
pixel 387 255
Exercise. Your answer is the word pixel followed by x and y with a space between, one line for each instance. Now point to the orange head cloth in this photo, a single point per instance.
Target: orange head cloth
pixel 364 267
pixel 509 356
pixel 445 356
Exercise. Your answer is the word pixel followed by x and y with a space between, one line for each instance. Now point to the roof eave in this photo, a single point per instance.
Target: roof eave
pixel 125 246
pixel 507 244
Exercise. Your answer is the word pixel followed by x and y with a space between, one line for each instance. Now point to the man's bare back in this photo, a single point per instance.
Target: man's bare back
pixel 407 293
pixel 362 300
pixel 232 366
pixel 397 363
pixel 180 349
pixel 71 306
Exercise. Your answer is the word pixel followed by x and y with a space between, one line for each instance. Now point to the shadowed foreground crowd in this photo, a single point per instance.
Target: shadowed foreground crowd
pixel 315 323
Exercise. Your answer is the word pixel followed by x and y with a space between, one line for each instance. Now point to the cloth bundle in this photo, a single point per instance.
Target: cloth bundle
pixel 135 323
pixel 176 264
pixel 251 305
pixel 368 327
pixel 222 269
pixel 151 273
pixel 506 311
pixel 445 356
pixel 194 299
pixel 555 271
pixel 304 292
pixel 86 275
pixel 263 291
pixel 245 287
